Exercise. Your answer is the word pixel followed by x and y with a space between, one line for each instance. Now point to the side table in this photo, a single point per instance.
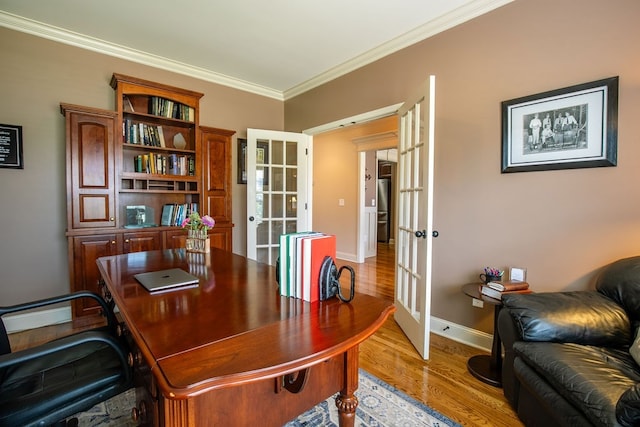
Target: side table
pixel 487 368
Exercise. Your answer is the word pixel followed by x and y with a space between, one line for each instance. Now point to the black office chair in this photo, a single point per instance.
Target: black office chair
pixel 46 384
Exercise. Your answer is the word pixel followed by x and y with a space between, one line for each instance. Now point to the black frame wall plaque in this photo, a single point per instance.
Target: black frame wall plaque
pixel 11 147
pixel 568 128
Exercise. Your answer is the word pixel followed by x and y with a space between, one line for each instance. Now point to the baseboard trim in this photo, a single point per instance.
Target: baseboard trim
pixel 471 337
pixel 36 319
pixel 347 257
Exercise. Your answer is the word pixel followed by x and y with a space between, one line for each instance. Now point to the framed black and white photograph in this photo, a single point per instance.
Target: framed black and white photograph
pixel 11 147
pixel 569 128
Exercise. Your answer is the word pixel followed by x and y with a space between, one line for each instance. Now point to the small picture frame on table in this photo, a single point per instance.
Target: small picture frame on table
pixel 518 273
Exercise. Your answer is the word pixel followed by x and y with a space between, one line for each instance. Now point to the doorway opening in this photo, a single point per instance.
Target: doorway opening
pixel 345 177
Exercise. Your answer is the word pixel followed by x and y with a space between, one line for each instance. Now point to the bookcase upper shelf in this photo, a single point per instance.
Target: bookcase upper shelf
pixel 158 151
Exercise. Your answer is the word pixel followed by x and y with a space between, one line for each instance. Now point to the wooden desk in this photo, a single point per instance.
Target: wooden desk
pixel 233 351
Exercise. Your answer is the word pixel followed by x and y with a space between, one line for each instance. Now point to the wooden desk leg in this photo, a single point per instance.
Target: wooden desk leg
pixel 346 401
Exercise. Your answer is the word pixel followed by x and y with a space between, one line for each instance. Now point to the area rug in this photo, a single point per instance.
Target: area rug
pixel 380 405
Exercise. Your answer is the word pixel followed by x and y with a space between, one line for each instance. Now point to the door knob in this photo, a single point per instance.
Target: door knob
pixel 423 233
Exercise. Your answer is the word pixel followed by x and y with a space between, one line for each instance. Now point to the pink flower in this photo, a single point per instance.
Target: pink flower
pixel 208 222
pixel 194 222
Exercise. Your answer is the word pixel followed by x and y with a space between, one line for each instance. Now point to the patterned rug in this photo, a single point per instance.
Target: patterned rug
pixel 380 405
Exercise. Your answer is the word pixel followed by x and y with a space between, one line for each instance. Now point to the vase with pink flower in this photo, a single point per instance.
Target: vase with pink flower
pixel 197 232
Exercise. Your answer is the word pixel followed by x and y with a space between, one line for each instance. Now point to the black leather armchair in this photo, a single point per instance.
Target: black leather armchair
pixel 568 355
pixel 45 384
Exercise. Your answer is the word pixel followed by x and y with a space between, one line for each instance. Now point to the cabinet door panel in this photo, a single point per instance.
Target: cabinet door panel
pixel 90 163
pixel 220 237
pixel 142 241
pixel 86 250
pixel 175 239
pixel 216 149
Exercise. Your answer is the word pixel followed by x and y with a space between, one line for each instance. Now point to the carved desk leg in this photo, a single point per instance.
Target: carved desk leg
pixel 346 401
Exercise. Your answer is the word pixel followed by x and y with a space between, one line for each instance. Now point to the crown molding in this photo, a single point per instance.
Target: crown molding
pixel 444 22
pixel 60 35
pixel 464 13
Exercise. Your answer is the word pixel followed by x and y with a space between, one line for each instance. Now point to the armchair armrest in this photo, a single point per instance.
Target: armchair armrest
pixel 582 317
pixel 66 343
pixel 106 311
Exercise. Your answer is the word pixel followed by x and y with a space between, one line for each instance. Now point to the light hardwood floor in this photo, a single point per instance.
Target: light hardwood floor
pixel 442 382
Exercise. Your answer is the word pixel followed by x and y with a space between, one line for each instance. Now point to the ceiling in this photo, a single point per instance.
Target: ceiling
pixel 276 48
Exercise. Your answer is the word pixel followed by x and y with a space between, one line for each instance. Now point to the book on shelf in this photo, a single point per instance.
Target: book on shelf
pixel 163 107
pixel 173 214
pixel 139 133
pixel 508 285
pixel 137 163
pixel 167 214
pixel 172 164
pixel 161 136
pixel 495 294
pixel 126 104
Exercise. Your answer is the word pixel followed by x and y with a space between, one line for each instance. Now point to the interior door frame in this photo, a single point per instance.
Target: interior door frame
pixel 304 194
pixel 390 110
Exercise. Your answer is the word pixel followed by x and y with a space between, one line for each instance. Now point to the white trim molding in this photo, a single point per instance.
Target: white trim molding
pixel 458 16
pixel 471 337
pixel 61 35
pixel 36 319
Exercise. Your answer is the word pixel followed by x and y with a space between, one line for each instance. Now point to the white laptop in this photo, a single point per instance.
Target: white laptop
pixel 157 281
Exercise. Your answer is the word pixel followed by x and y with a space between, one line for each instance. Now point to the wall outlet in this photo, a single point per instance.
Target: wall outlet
pixel 477 303
pixel 340 202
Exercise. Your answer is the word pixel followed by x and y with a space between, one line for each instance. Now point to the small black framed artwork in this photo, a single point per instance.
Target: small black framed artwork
pixel 568 128
pixel 11 147
pixel 262 158
pixel 242 161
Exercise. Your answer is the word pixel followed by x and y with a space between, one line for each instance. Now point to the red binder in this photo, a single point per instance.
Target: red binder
pixel 315 249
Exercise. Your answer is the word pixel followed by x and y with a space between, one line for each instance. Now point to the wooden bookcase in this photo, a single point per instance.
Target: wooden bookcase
pixel 124 166
pixel 145 111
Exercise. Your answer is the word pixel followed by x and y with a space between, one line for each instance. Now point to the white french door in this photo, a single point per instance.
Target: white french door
pixel 414 237
pixel 278 190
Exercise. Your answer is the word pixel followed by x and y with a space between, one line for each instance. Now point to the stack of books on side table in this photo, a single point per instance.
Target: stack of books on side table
pixel 497 289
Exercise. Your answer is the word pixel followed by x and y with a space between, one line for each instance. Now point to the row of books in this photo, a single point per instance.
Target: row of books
pixel 301 256
pixel 142 134
pixel 163 107
pixel 496 290
pixel 174 214
pixel 159 106
pixel 164 164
